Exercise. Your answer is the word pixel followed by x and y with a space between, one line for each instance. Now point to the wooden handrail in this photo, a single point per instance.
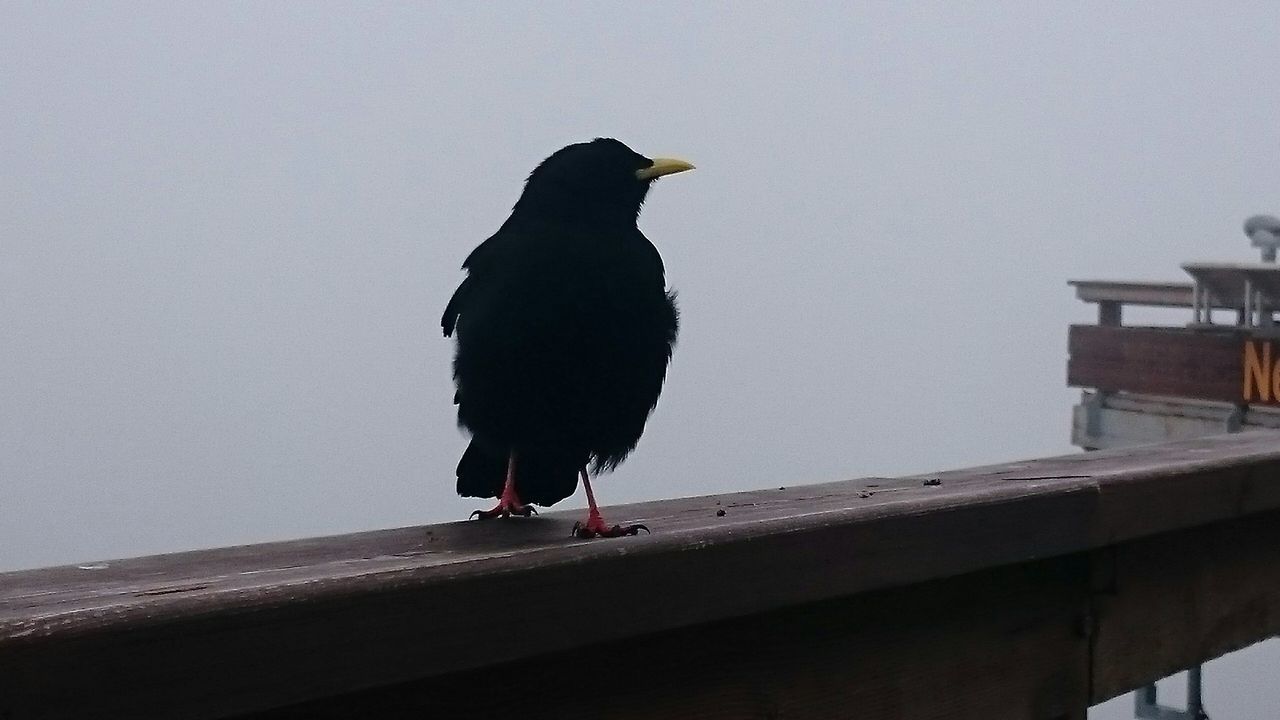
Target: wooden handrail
pixel 396 613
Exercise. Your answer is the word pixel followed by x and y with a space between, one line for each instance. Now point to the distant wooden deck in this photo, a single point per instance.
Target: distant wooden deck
pixel 1156 384
pixel 1023 590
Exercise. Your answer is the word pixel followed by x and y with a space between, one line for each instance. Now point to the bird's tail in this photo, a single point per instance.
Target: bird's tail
pixel 481 471
pixel 542 478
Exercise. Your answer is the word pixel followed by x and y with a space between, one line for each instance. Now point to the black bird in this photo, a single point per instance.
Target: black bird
pixel 564 330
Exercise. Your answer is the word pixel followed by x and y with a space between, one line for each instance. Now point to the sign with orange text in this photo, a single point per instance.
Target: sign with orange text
pixel 1261 372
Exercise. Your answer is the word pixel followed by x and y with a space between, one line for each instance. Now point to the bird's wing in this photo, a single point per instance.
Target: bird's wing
pixel 449 320
pixel 480 265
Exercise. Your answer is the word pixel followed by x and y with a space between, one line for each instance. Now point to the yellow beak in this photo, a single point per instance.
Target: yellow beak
pixel 663 166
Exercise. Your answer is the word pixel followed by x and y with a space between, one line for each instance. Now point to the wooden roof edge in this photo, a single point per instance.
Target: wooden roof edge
pixel 1135 292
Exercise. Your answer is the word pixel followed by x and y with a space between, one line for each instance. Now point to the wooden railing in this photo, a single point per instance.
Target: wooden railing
pixel 1196 378
pixel 1025 590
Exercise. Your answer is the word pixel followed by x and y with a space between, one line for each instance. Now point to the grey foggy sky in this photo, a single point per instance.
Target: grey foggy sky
pixel 227 232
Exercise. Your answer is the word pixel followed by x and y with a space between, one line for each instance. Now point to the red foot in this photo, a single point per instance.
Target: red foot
pixel 509 504
pixel 595 527
pixel 504 510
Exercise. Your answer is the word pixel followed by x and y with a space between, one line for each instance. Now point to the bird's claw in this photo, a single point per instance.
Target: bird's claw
pixel 504 511
pixel 587 530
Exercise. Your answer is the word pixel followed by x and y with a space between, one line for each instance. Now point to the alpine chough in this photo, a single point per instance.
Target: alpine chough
pixel 564 330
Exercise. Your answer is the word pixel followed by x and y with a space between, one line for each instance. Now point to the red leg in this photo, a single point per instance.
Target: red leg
pixel 509 504
pixel 595 525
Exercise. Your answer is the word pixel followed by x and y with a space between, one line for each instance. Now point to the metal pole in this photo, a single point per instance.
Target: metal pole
pixel 1248 303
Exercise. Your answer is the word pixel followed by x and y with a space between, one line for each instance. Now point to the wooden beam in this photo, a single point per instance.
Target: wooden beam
pixel 1009 643
pixel 1170 601
pixel 1177 362
pixel 234 631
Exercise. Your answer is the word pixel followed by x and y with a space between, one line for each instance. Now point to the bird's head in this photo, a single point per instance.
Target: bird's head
pixel 598 181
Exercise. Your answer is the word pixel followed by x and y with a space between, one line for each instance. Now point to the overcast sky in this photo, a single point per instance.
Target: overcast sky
pixel 227 232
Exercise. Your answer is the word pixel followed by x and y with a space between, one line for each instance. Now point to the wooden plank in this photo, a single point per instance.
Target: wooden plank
pixel 226 632
pixel 1158 361
pixel 1175 600
pixel 1227 365
pixel 1005 643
